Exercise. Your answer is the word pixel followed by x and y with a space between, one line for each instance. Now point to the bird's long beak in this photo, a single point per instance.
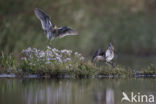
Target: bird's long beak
pixel 74 32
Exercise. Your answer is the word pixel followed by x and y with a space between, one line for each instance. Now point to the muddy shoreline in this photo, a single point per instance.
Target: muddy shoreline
pixel 136 75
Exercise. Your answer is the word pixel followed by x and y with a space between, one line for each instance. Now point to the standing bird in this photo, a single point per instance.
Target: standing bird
pixel 109 54
pixel 51 30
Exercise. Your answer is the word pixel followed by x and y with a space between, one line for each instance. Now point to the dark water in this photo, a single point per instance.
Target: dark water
pixel 135 62
pixel 73 91
pixel 80 91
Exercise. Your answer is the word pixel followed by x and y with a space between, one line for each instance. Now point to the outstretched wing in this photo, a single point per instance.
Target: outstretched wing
pixel 45 21
pixel 97 53
pixel 64 31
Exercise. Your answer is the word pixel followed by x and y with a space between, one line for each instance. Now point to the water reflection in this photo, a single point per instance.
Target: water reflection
pixel 85 91
pixel 104 97
pixel 109 96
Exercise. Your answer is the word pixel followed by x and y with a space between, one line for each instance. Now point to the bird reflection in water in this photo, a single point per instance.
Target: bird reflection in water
pixel 109 96
pixel 106 97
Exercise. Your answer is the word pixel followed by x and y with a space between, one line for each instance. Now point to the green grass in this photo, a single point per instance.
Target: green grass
pixel 8 63
pixel 149 69
pixel 78 69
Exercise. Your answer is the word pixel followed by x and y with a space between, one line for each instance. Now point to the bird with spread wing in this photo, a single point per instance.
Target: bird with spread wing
pixel 99 55
pixel 106 56
pixel 51 30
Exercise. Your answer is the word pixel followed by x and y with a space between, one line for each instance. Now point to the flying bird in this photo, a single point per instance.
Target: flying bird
pixel 51 30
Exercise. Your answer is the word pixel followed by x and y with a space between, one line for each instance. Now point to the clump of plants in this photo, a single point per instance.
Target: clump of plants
pixel 8 63
pixel 52 61
pixel 151 69
pixel 60 63
pixel 118 71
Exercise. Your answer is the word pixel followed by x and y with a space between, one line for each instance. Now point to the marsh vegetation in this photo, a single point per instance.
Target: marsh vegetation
pixel 98 22
pixel 52 62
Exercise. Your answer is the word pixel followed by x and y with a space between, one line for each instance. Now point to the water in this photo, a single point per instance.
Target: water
pixel 78 91
pixel 72 91
pixel 135 62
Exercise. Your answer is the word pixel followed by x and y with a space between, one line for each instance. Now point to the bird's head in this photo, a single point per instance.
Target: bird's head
pixel 110 46
pixel 55 27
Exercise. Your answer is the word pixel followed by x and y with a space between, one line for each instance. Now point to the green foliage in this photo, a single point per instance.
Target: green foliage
pixel 98 22
pixel 151 69
pixel 7 62
pixel 56 63
pixel 117 71
pixel 75 68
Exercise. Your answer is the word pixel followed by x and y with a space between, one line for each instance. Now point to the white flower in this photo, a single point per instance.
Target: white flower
pixel 41 54
pixel 55 50
pixel 66 60
pixel 77 54
pixel 48 53
pixel 82 58
pixel 35 50
pixel 48 47
pixel 67 52
pixel 27 51
pixel 59 59
pixel 55 55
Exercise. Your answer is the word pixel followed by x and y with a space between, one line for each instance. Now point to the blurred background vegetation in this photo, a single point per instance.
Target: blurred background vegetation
pixel 128 24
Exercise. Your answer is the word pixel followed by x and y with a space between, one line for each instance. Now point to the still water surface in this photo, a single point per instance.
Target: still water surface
pixel 135 62
pixel 72 91
pixel 79 91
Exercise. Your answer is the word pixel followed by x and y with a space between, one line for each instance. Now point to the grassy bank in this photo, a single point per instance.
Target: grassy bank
pixel 60 63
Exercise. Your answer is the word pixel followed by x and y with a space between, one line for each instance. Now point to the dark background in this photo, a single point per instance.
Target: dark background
pixel 128 24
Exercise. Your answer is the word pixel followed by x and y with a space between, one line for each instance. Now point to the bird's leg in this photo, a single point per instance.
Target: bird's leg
pixel 113 64
pixel 95 64
pixel 47 43
pixel 50 42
